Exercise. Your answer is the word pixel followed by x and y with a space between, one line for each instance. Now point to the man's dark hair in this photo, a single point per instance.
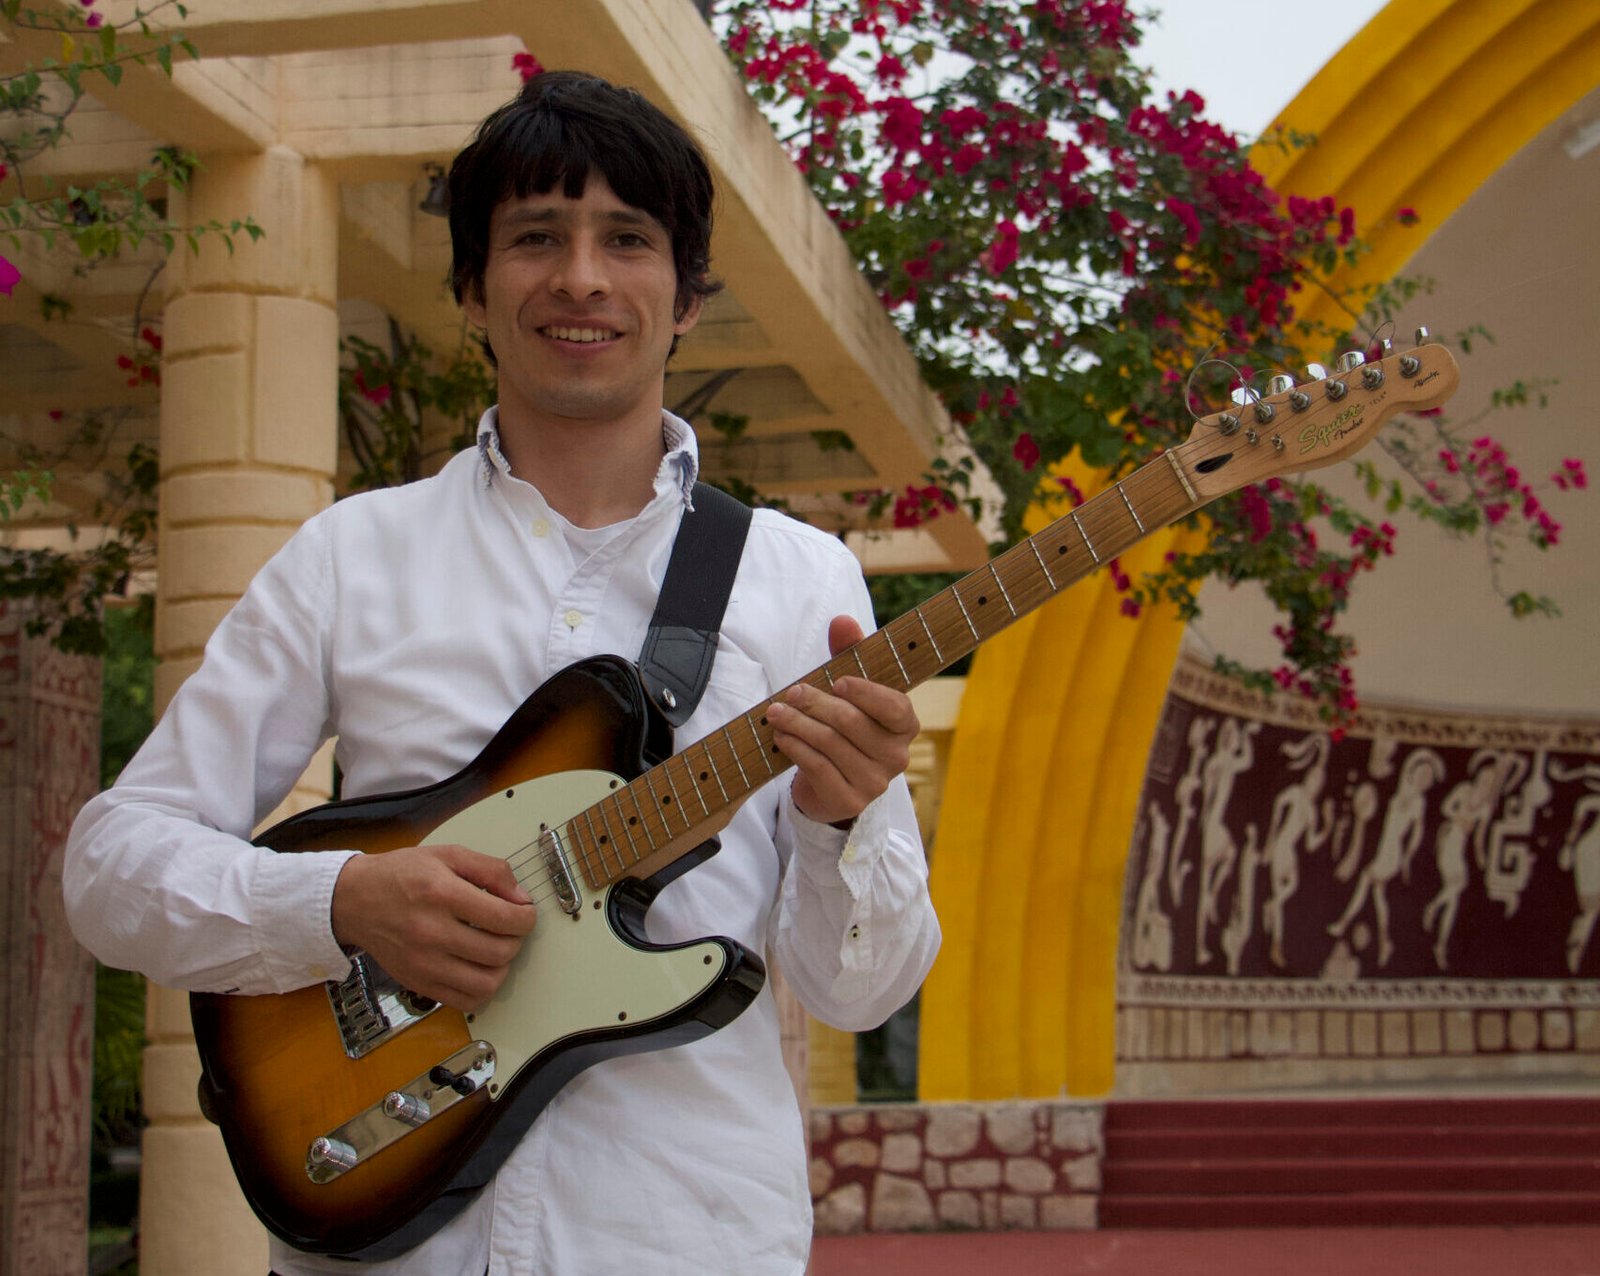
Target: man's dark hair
pixel 562 125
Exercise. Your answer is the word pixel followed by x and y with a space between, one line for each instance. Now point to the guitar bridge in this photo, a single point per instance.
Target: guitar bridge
pixel 370 1006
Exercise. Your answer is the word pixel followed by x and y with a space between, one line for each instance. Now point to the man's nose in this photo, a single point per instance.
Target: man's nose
pixel 580 272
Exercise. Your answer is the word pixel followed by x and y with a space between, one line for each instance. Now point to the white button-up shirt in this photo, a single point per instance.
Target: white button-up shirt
pixel 410 623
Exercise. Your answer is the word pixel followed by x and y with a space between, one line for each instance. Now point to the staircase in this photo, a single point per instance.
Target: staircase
pixel 1361 1162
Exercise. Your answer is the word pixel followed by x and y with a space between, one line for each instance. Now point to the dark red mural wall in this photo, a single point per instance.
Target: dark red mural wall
pixel 1427 859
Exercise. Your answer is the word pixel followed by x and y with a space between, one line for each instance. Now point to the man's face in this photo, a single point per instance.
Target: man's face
pixel 577 300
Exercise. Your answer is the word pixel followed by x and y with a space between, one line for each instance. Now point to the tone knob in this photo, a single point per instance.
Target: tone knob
pixel 333 1152
pixel 410 1108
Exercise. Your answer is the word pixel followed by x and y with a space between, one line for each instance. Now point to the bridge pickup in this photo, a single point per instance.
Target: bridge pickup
pixel 401 1111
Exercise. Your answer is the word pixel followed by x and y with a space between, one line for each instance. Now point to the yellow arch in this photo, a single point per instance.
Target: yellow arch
pixel 1426 103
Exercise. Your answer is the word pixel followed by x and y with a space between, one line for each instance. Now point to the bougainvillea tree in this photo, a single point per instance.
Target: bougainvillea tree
pixel 1062 251
pixel 80 49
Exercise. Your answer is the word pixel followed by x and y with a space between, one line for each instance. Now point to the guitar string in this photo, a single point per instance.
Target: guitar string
pixel 1101 518
pixel 1098 521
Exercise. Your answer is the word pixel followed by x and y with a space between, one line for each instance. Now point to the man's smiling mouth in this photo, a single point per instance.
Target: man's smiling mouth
pixel 581 335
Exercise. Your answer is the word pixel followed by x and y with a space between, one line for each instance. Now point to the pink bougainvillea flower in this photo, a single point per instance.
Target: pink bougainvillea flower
pixel 999 256
pixel 10 276
pixel 1025 450
pixel 377 395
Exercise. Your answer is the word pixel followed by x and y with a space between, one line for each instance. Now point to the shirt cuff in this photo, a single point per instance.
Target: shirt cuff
pixel 828 856
pixel 826 851
pixel 294 892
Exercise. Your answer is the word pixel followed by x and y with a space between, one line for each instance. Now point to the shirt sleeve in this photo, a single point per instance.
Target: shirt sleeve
pixel 856 931
pixel 159 874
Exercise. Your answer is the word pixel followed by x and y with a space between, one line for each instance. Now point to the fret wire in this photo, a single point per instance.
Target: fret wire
pixel 761 747
pixel 586 857
pixel 716 772
pixel 688 775
pixel 644 820
pixel 1010 606
pixel 666 770
pixel 1137 521
pixel 1043 566
pixel 600 845
pixel 856 652
pixel 733 750
pixel 627 832
pixel 1089 544
pixel 934 641
pixel 828 674
pixel 955 592
pixel 571 840
pixel 899 664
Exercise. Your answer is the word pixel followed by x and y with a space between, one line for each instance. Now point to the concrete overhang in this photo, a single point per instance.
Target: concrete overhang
pixel 798 344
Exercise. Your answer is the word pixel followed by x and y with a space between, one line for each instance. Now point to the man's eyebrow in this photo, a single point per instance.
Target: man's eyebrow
pixel 547 214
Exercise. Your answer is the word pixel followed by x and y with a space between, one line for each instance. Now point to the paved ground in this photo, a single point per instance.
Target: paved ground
pixel 1353 1251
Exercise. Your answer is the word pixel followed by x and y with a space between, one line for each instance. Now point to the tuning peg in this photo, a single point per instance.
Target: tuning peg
pixel 1316 372
pixel 1349 361
pixel 1385 348
pixel 1279 383
pixel 1423 336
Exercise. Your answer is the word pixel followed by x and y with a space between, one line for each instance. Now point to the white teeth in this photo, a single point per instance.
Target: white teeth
pixel 579 334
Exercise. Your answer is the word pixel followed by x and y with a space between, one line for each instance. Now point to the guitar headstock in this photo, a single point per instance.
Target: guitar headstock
pixel 1304 427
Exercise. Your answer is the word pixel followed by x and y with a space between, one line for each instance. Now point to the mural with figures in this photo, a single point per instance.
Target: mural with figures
pixel 1415 847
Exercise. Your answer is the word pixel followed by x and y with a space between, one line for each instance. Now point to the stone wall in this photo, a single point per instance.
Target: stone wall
pixel 957 1166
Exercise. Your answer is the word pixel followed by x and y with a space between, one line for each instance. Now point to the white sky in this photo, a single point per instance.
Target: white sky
pixel 1247 58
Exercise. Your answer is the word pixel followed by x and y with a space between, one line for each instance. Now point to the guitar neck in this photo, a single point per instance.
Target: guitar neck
pixel 701 785
pixel 668 811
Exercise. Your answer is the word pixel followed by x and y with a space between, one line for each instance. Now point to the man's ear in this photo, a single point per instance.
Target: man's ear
pixel 689 315
pixel 472 304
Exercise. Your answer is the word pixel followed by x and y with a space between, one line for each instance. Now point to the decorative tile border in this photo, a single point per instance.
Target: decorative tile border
pixel 960 1167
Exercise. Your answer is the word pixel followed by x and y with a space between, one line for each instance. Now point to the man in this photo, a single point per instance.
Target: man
pixel 410 623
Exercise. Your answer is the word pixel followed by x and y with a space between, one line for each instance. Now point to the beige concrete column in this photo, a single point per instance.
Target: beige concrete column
pixel 249 444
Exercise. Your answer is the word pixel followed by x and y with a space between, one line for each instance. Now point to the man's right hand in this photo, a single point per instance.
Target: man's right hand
pixel 443 920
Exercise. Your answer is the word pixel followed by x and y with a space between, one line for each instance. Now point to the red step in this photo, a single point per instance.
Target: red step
pixel 1318 1162
pixel 1303 1177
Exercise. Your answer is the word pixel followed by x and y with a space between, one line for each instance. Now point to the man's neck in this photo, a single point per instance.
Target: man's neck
pixel 592 475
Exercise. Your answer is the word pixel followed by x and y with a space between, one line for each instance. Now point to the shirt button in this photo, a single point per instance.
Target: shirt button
pixel 855 932
pixel 541 527
pixel 574 618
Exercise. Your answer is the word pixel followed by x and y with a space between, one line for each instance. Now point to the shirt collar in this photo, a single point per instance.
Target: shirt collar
pixel 679 469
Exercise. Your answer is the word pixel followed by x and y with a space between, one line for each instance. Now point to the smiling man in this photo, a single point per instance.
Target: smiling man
pixel 411 623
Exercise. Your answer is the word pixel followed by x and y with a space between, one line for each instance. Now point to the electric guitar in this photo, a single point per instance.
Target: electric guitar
pixel 360 1117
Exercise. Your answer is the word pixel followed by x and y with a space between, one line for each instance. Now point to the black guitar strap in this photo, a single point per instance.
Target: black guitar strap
pixel 682 640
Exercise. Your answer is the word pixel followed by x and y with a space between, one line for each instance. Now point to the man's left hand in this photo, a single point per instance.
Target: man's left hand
pixel 848 742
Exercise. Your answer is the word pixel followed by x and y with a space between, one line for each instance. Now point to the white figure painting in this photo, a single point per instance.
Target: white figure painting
pixel 1398 841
